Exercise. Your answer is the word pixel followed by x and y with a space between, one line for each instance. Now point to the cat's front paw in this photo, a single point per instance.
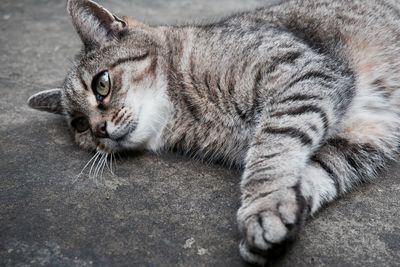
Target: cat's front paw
pixel 269 221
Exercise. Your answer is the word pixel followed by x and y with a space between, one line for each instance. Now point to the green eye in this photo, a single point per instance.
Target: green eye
pixel 102 84
pixel 80 124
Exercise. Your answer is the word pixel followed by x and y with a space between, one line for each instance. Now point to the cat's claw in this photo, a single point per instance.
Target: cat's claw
pixel 269 225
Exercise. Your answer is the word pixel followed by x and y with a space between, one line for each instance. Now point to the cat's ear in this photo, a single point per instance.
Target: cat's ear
pixel 48 100
pixel 95 25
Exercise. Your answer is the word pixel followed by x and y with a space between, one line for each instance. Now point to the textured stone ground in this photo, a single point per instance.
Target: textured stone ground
pixel 162 211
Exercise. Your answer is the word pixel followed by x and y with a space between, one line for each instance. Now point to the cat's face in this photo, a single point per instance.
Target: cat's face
pixel 114 97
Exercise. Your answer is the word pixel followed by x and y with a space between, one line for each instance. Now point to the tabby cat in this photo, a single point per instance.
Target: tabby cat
pixel 304 96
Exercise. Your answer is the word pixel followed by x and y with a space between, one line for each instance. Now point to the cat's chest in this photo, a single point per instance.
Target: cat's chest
pixel 212 137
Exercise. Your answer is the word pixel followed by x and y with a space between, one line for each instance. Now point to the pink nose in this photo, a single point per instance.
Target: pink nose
pixel 100 130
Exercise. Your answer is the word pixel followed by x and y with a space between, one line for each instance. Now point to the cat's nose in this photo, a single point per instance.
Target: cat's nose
pixel 100 130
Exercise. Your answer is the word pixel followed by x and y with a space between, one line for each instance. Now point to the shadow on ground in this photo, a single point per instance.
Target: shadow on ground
pixel 161 211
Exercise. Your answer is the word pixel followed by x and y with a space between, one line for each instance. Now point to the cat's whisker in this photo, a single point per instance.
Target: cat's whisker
pixel 96 177
pixel 115 161
pixel 102 168
pixel 87 164
pixel 120 157
pixel 96 172
pixel 98 167
pixel 161 120
pixel 105 164
pixel 156 130
pixel 93 163
pixel 111 164
pixel 83 169
pixel 108 165
pixel 153 128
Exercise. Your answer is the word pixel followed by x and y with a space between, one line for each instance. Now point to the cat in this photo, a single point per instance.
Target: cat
pixel 303 96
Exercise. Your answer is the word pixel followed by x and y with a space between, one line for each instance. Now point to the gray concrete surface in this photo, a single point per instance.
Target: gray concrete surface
pixel 162 211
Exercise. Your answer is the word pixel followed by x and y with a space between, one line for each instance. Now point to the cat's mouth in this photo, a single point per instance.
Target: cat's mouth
pixel 130 128
pixel 110 145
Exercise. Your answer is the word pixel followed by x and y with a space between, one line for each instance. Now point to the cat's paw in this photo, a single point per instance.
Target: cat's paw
pixel 270 221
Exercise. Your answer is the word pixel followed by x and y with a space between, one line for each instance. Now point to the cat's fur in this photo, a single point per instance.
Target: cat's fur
pixel 304 96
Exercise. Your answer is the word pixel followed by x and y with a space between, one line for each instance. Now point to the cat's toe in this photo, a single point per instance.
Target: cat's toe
pixel 264 229
pixel 268 227
pixel 249 256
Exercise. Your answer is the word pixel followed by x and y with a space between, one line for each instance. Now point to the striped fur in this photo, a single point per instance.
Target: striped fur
pixel 304 96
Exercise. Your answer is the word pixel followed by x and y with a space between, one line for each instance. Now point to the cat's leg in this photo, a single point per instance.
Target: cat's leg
pixel 273 208
pixel 340 165
pixel 366 142
pixel 274 212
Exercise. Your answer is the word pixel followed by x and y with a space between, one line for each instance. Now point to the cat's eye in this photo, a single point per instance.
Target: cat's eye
pixel 80 124
pixel 101 85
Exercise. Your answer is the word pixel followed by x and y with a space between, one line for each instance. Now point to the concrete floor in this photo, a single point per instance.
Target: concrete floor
pixel 161 211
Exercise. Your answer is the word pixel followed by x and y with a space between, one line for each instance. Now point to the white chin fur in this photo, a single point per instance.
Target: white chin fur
pixel 154 109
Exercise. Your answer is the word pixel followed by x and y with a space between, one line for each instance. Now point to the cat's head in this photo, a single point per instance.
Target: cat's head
pixel 114 97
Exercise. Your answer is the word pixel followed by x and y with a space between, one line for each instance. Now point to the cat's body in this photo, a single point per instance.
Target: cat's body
pixel 255 56
pixel 303 96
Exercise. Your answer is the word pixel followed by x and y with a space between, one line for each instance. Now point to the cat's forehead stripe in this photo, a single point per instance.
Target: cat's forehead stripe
pixel 110 57
pixel 73 100
pixel 127 59
pixel 83 83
